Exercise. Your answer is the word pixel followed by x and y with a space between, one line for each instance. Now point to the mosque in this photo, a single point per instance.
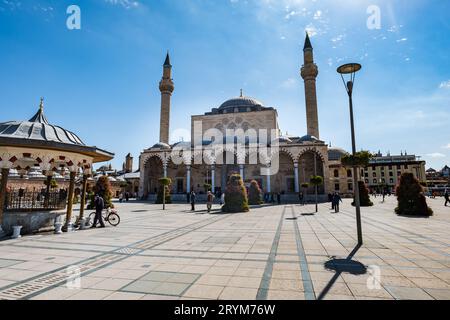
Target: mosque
pixel 298 157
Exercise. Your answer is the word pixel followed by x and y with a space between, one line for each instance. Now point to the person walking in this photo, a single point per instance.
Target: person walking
pixel 336 200
pixel 209 201
pixel 447 197
pixel 99 206
pixel 192 198
pixel 278 198
pixel 121 197
pixel 300 198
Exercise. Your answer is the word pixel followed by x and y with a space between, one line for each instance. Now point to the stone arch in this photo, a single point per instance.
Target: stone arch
pixel 153 171
pixel 283 181
pixel 306 160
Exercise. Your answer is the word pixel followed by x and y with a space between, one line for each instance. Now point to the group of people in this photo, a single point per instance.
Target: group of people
pixel 270 198
pixel 209 200
pixel 125 196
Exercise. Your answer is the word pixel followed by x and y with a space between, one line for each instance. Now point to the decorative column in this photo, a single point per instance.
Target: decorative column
pixel 3 185
pixel 188 179
pixel 213 179
pixel 297 185
pixel 47 189
pixel 83 199
pixel 241 171
pixel 68 225
pixel 269 190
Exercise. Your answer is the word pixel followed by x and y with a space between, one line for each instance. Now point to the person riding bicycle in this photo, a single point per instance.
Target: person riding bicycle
pixel 99 206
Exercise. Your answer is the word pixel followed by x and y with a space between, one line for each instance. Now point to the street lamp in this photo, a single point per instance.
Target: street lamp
pixel 350 69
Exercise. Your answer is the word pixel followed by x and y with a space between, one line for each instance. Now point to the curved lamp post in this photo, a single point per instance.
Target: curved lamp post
pixel 349 70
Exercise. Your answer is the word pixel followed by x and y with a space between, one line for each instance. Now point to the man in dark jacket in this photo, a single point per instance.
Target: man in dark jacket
pixel 447 198
pixel 99 206
pixel 193 196
pixel 336 200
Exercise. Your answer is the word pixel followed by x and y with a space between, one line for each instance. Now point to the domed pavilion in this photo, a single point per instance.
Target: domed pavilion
pixel 36 144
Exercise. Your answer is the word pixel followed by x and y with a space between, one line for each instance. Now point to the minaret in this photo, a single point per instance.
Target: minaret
pixel 166 87
pixel 309 74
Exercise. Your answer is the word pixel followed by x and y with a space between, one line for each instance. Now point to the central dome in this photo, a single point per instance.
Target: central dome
pixel 240 102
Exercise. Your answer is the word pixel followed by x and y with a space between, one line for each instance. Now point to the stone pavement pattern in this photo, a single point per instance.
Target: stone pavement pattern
pixel 277 252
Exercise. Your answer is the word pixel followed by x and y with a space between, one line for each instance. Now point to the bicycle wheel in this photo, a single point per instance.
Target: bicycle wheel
pixel 91 218
pixel 114 219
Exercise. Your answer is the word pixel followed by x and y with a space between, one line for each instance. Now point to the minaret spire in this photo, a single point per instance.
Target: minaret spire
pixel 307 42
pixel 166 86
pixel 309 74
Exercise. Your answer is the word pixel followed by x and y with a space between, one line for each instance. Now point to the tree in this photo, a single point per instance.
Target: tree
pixel 411 200
pixel 207 186
pixel 103 188
pixel 364 197
pixel 361 159
pixel 316 181
pixel 235 195
pixel 254 193
pixel 164 196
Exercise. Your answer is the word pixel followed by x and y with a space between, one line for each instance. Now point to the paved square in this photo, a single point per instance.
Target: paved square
pixel 274 252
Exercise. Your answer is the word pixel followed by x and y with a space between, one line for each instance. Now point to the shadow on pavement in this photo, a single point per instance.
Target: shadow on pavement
pixel 342 266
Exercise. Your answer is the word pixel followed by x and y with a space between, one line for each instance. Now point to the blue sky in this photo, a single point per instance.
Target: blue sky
pixel 102 81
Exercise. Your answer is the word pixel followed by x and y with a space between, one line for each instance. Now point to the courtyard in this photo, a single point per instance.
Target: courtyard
pixel 272 252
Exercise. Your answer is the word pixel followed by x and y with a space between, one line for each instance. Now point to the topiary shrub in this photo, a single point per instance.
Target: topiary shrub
pixel 165 184
pixel 254 194
pixel 235 195
pixel 411 200
pixel 364 198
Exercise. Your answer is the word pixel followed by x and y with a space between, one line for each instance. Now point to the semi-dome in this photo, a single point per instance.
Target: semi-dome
pixel 38 128
pixel 161 145
pixel 284 139
pixel 308 138
pixel 335 154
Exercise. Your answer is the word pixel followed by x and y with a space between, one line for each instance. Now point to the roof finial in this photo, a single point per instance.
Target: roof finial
pixel 41 104
pixel 242 93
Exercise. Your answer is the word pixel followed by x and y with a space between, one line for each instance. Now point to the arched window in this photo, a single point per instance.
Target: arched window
pixel 336 173
pixel 349 173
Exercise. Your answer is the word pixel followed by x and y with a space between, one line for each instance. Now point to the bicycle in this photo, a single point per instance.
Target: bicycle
pixel 109 216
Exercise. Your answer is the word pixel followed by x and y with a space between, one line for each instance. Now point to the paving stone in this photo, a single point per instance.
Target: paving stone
pixel 403 293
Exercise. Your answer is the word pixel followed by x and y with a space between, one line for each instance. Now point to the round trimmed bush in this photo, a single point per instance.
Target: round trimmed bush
pixel 235 195
pixel 254 194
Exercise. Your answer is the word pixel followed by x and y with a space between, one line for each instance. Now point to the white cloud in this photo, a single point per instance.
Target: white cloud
pixel 127 4
pixel 445 85
pixel 402 40
pixel 446 147
pixel 436 155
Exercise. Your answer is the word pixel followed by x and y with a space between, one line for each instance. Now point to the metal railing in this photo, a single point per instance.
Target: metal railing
pixel 20 200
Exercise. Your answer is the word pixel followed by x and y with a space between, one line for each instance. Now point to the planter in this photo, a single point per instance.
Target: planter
pixel 84 223
pixel 16 232
pixel 58 227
